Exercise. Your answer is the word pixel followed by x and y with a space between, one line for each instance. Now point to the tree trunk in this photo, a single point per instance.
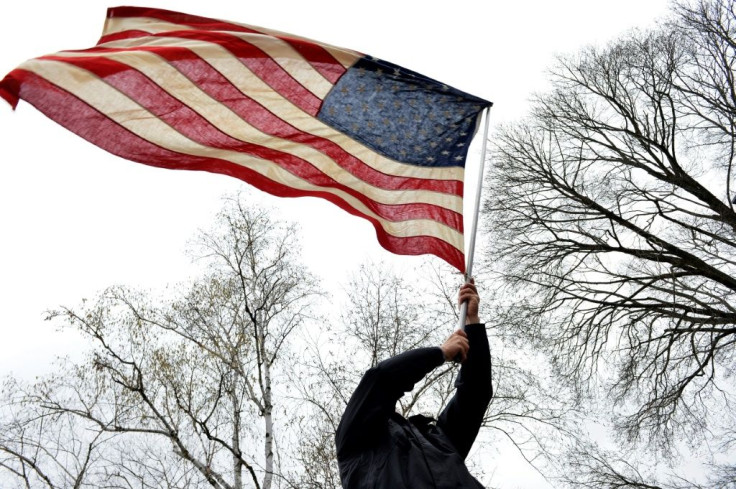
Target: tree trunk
pixel 237 461
pixel 268 418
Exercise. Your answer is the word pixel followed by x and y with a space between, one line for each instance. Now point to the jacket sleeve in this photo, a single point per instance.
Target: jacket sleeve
pixel 366 416
pixel 462 417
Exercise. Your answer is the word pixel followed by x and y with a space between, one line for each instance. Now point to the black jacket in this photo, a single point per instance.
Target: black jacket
pixel 379 449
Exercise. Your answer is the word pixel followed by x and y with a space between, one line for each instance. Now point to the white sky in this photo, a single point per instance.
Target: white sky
pixel 75 219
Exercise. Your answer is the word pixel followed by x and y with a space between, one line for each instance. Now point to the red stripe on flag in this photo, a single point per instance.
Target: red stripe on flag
pixel 80 118
pixel 320 58
pixel 9 88
pixel 119 36
pixel 420 245
pixel 189 123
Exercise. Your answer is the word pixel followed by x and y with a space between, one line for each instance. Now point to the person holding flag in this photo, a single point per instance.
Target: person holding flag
pixel 378 448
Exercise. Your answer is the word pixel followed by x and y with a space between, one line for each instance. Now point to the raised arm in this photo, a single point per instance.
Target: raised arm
pixel 366 416
pixel 462 417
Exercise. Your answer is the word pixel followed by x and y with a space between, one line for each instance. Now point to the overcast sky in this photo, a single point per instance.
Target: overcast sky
pixel 75 219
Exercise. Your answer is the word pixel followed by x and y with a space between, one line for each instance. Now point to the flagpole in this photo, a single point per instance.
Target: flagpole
pixel 476 211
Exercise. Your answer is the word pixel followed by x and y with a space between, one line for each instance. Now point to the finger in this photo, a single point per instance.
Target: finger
pixel 462 344
pixel 469 296
pixel 461 355
pixel 468 290
pixel 463 296
pixel 469 286
pixel 468 299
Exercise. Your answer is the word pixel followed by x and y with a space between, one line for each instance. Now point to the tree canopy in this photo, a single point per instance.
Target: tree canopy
pixel 613 221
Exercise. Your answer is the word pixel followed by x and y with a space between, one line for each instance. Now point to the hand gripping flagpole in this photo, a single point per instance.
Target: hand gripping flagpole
pixel 474 227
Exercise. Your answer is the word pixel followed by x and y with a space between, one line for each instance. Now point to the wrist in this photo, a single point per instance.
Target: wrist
pixel 472 319
pixel 444 353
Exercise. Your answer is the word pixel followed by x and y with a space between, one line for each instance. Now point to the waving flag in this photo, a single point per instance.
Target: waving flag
pixel 290 116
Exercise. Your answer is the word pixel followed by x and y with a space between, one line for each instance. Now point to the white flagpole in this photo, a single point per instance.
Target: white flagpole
pixel 474 227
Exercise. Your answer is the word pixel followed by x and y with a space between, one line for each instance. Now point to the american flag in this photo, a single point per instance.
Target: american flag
pixel 291 116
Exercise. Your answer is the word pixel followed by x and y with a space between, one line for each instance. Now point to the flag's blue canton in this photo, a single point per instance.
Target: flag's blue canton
pixel 402 114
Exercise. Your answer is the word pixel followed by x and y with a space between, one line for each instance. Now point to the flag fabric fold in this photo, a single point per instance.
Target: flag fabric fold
pixel 288 115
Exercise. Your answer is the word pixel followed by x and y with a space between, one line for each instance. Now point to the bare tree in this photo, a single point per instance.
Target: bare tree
pixel 189 383
pixel 614 226
pixel 47 445
pixel 43 449
pixel 587 465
